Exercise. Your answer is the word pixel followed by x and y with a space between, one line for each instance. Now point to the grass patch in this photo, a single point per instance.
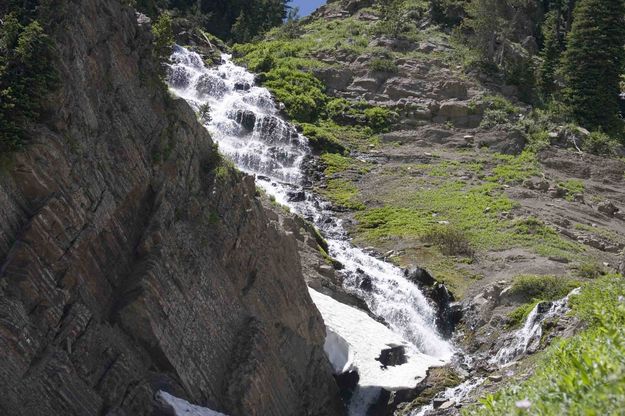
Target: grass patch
pixel 514 169
pixel 583 375
pixel 343 194
pixel 573 187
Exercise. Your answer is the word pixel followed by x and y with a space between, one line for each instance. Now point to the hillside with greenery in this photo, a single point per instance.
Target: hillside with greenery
pixel 478 146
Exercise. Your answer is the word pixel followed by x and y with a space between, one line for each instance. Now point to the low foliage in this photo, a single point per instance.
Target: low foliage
pixel 542 288
pixel 451 241
pixel 163 36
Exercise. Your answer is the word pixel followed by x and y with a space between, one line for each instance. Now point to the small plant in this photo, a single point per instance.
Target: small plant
pixel 379 118
pixel 451 241
pixel 590 270
pixel 599 143
pixel 384 65
pixel 204 113
pixel 542 288
pixel 163 36
pixel 518 315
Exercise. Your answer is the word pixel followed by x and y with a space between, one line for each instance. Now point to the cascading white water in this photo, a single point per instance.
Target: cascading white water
pixel 532 329
pixel 244 121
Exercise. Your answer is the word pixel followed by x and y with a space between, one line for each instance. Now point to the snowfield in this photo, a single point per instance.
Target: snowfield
pixel 354 340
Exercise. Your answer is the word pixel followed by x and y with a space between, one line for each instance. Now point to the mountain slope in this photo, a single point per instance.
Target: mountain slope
pixel 134 259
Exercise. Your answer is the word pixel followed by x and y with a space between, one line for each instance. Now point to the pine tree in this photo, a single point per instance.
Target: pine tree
pixel 593 62
pixel 551 53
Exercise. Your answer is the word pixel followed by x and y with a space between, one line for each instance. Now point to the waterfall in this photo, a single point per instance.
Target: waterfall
pixel 532 330
pixel 245 121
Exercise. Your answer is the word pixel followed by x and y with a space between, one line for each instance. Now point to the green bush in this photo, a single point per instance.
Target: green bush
pixel 599 143
pixel 163 36
pixel 321 139
pixel 520 314
pixel 451 241
pixel 384 65
pixel 302 94
pixel 543 288
pixel 379 118
pixel 590 270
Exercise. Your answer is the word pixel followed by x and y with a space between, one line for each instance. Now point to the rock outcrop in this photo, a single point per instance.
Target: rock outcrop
pixel 132 261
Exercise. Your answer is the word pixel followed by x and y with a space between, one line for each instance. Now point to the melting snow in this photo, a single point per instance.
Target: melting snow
pixel 184 408
pixel 355 340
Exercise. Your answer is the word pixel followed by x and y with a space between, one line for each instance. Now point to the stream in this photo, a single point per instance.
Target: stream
pixel 245 121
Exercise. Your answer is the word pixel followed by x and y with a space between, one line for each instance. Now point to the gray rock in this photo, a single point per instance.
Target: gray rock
pixel 453 89
pixel 453 110
pixel 607 208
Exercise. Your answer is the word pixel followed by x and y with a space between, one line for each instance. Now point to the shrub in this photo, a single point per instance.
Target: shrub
pixel 590 270
pixel 302 93
pixel 322 139
pixel 518 315
pixel 498 110
pixel 542 288
pixel 599 143
pixel 379 118
pixel 385 65
pixel 163 36
pixel 451 241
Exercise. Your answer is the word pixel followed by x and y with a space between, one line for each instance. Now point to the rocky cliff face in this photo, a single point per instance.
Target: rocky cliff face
pixel 134 260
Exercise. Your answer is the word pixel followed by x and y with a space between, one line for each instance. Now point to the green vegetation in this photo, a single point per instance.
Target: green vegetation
pixel 343 194
pixel 520 314
pixel 498 111
pixel 514 169
pixel 450 241
pixel 590 270
pixel 583 375
pixel 573 187
pixel 542 288
pixel 475 212
pixel 287 68
pixel 552 50
pixel 384 65
pixel 163 36
pixel 27 76
pixel 335 163
pixel 593 63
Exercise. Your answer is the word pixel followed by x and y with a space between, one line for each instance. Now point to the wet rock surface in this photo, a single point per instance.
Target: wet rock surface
pixel 128 268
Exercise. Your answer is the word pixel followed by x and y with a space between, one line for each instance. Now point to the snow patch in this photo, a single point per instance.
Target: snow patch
pixel 355 340
pixel 184 408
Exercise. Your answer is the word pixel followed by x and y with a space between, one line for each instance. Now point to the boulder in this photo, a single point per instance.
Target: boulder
pixel 366 284
pixel 607 208
pixel 337 79
pixel 419 276
pixel 453 89
pixel 392 357
pixel 246 118
pixel 452 110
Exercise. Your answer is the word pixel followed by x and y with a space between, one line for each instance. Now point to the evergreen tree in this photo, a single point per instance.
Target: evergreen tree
pixel 593 62
pixel 551 53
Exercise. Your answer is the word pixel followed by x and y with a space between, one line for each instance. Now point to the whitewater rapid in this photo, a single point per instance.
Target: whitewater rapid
pixel 245 122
